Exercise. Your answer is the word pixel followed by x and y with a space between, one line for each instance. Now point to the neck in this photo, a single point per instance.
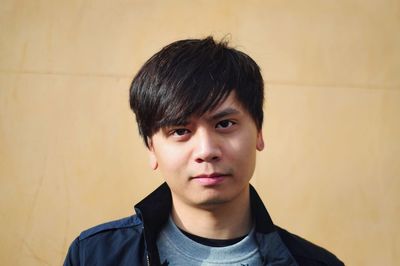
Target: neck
pixel 227 220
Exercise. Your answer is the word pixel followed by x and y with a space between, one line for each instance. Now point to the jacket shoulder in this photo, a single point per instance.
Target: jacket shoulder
pixel 307 253
pixel 106 244
pixel 127 222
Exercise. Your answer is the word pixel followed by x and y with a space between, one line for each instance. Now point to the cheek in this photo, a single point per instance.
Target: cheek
pixel 243 148
pixel 170 161
pixel 241 153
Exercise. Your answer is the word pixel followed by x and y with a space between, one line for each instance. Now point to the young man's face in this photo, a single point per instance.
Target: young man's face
pixel 211 159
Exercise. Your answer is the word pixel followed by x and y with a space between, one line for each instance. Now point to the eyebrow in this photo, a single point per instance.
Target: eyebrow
pixel 218 115
pixel 223 113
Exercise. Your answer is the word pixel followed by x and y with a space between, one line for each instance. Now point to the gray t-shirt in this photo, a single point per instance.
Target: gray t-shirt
pixel 177 249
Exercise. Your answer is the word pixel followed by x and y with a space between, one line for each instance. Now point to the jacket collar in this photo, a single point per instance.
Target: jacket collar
pixel 260 214
pixel 155 209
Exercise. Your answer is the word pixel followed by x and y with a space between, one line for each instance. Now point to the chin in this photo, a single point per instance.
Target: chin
pixel 212 203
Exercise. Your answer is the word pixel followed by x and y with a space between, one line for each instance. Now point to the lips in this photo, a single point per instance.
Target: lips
pixel 210 180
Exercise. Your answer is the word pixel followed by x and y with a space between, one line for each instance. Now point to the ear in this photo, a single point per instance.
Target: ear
pixel 152 156
pixel 259 141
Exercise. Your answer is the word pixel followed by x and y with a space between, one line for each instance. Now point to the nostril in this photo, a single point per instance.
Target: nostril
pixel 198 160
pixel 215 158
pixel 208 159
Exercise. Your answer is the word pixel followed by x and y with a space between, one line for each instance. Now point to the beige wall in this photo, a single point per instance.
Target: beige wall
pixel 70 156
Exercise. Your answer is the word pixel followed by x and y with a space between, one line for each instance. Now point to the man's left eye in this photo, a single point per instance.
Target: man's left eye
pixel 225 124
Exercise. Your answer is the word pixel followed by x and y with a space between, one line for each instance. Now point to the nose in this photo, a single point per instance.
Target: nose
pixel 207 147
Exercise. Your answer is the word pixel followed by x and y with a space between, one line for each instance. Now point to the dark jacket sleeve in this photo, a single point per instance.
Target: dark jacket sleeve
pixel 72 258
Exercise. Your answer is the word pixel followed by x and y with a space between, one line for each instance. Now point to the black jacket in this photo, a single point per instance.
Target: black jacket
pixel 132 240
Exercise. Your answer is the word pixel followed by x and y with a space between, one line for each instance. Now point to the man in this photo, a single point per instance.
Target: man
pixel 198 105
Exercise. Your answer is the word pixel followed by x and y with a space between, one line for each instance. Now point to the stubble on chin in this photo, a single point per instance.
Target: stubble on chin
pixel 212 203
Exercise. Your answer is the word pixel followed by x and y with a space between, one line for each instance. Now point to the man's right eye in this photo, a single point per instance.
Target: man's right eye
pixel 179 132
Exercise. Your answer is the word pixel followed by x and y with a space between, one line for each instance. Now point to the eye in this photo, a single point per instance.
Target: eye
pixel 177 133
pixel 180 132
pixel 225 124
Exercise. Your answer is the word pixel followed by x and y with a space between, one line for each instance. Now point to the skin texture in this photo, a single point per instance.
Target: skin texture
pixel 208 164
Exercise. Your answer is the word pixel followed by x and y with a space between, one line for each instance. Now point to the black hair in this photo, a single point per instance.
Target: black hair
pixel 190 77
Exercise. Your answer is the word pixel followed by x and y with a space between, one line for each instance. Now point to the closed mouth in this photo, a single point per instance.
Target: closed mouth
pixel 211 176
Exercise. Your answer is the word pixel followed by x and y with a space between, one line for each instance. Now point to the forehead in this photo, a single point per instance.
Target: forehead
pixel 228 106
pixel 225 106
